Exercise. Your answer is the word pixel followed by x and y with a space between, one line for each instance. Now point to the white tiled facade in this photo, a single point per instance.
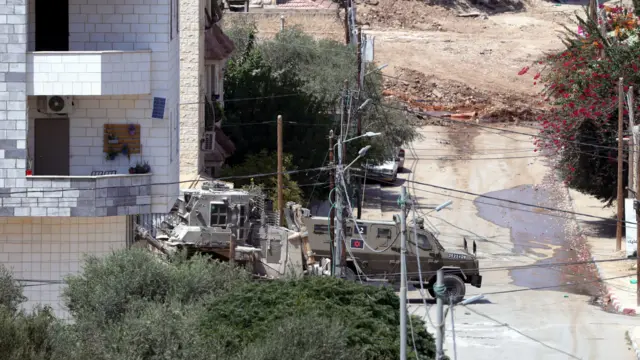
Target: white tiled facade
pixel 89 73
pixel 122 54
pixel 43 250
pixel 87 122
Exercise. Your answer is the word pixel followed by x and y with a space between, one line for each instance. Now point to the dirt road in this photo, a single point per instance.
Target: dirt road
pixel 546 312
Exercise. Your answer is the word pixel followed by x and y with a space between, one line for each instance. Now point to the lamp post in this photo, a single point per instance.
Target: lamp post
pixel 339 229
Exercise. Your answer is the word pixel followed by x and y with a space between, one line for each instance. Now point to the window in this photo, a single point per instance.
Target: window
pixel 320 229
pixel 384 233
pixel 423 242
pixel 212 81
pixel 218 214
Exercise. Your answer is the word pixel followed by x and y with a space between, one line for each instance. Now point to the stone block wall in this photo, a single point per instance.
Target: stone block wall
pixel 89 73
pixel 47 249
pixel 13 87
pixel 131 25
pixel 321 24
pixel 191 25
pixel 79 196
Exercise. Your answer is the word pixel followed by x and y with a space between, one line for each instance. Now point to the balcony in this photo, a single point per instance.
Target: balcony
pixel 76 73
pixel 103 195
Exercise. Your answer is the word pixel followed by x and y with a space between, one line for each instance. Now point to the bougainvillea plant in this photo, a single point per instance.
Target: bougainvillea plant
pixel 580 85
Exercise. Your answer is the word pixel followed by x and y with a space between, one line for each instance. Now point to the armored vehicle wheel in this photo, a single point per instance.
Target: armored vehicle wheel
pixel 455 288
pixel 350 274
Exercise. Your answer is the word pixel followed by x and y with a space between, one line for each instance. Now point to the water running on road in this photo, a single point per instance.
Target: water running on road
pixel 535 233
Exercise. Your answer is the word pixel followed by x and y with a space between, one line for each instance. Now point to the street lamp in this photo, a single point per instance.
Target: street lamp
pixel 339 179
pixel 365 103
pixel 367 134
pixel 362 152
pixel 377 69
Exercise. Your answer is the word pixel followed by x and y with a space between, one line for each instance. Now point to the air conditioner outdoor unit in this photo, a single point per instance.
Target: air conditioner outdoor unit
pixel 57 104
pixel 207 143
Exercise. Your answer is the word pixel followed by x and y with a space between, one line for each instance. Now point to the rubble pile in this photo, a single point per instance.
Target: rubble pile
pixel 423 15
pixel 426 93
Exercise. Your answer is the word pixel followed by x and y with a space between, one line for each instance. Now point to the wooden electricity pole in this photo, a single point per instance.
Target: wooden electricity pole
pixel 347 30
pixel 635 134
pixel 632 149
pixel 620 198
pixel 280 184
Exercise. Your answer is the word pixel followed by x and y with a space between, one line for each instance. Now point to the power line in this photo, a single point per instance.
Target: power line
pixel 501 130
pixel 322 168
pixel 523 267
pixel 505 200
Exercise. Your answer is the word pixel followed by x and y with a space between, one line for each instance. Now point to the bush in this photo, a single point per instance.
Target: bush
pixel 581 87
pixel 23 335
pixel 131 305
pixel 369 315
pixel 108 286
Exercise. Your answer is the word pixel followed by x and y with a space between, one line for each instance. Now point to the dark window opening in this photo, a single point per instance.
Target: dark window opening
pixel 218 214
pixel 52 25
pixel 384 233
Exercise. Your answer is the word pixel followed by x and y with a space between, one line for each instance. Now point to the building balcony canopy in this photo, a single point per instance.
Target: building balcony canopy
pixel 91 73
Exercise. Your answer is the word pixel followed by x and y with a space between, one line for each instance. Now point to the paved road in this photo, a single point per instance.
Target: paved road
pixel 515 322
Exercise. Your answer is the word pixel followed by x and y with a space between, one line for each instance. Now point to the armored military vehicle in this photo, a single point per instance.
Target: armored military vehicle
pixel 236 225
pixel 378 256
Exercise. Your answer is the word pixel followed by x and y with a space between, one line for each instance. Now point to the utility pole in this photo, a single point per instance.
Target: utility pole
pixel 403 272
pixel 339 230
pixel 439 317
pixel 620 165
pixel 347 30
pixel 358 117
pixel 631 183
pixel 340 223
pixel 280 184
pixel 332 185
pixel 637 208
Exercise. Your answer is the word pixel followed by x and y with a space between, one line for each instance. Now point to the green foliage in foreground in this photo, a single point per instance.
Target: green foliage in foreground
pixel 131 305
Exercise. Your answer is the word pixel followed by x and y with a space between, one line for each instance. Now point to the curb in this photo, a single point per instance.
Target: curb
pixel 612 299
pixel 634 344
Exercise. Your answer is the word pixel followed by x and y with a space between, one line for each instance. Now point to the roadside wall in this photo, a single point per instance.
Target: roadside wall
pixel 321 24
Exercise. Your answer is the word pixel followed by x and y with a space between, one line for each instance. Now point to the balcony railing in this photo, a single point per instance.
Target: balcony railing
pixel 106 195
pixel 89 73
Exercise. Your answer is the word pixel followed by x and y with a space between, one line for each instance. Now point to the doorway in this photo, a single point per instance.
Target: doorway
pixel 52 25
pixel 51 147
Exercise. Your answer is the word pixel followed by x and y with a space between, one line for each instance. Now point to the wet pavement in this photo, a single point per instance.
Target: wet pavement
pixel 540 235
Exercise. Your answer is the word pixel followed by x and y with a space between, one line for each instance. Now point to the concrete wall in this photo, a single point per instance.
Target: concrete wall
pixel 321 24
pixel 96 24
pixel 49 248
pixel 191 24
pixel 89 73
pixel 13 87
pixel 86 132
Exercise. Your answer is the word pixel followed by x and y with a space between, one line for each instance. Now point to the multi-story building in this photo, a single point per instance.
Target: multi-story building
pixel 204 51
pixel 90 131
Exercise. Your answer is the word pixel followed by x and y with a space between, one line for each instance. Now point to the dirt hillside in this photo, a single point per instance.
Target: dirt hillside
pixel 462 55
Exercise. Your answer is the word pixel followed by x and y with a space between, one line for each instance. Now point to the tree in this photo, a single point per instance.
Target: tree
pixel 265 163
pixel 301 78
pixel 581 86
pixel 23 335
